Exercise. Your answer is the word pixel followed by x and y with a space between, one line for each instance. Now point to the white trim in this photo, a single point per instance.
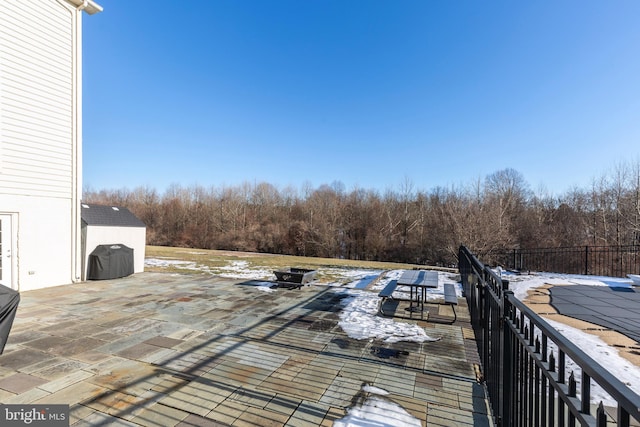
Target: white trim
pixel 89 6
pixel 76 132
pixel 76 169
pixel 1 140
pixel 14 282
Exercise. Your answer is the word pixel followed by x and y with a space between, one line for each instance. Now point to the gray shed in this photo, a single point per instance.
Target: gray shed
pixel 111 225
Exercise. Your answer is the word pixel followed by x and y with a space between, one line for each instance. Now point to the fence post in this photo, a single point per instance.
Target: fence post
pixel 507 380
pixel 586 260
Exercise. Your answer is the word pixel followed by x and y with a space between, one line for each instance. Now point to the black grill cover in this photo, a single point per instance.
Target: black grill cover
pixel 9 300
pixel 110 262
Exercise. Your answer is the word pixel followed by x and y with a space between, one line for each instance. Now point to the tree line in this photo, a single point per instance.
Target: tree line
pixel 497 212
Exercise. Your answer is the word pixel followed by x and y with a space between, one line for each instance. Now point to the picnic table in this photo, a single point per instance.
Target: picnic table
pixel 418 281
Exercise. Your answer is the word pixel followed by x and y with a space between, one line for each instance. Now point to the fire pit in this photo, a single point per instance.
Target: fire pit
pixel 295 276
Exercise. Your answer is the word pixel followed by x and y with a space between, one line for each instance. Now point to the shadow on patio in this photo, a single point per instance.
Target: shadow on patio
pixel 166 349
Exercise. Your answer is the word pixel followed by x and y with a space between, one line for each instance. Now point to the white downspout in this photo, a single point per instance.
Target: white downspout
pixel 76 131
pixel 76 168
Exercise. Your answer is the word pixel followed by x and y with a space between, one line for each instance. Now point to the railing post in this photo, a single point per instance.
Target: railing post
pixel 485 313
pixel 506 375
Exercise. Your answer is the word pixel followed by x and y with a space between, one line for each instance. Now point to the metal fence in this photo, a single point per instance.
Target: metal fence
pixel 616 261
pixel 526 363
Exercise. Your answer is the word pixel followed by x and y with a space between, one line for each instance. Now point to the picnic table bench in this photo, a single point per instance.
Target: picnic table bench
pixel 450 297
pixel 386 293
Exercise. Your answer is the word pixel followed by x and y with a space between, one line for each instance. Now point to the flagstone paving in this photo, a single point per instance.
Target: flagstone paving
pixel 159 349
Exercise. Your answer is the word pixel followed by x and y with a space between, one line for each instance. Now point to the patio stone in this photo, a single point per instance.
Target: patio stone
pixel 72 394
pixel 4 395
pixel 105 365
pixel 138 351
pixel 282 404
pixel 353 370
pixel 159 355
pixel 251 397
pixel 308 413
pixel 19 383
pixel 74 347
pixel 237 375
pixel 413 405
pixel 30 396
pixel 185 334
pixel 295 388
pixel 78 414
pixel 129 374
pixel 184 362
pixel 26 336
pixel 22 358
pixel 59 369
pixel 227 412
pixel 340 392
pixel 160 415
pixel 332 415
pixel 90 356
pixel 165 342
pixel 48 343
pixel 198 421
pixel 97 418
pixel 395 381
pixel 114 403
pixel 201 350
pixel 44 364
pixel 438 415
pixel 261 417
pixel 197 397
pixel 65 381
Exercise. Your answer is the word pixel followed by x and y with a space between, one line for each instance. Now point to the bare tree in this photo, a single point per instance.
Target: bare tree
pixel 489 214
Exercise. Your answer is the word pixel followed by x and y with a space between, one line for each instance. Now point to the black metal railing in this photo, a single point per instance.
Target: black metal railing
pixel 526 362
pixel 616 261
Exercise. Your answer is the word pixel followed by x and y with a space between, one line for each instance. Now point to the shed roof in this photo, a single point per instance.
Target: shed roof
pixel 113 216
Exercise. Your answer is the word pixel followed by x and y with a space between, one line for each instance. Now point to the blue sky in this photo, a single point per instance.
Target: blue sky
pixel 369 93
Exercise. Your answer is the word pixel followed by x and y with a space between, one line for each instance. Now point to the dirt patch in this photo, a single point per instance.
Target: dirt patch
pixel 539 300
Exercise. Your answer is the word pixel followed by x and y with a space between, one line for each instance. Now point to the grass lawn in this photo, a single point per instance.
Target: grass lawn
pixel 215 261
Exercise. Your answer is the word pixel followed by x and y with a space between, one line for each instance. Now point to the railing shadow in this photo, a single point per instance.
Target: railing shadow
pixel 191 379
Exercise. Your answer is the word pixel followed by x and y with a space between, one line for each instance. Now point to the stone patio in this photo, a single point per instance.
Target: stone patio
pixel 159 349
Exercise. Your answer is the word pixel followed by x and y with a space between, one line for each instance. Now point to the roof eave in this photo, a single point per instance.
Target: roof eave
pixel 89 6
pixel 93 7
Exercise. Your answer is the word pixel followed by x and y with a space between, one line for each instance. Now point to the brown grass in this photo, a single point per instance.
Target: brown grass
pixel 214 259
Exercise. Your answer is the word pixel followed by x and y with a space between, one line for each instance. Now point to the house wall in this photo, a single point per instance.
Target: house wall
pixel 40 146
pixel 43 249
pixel 133 237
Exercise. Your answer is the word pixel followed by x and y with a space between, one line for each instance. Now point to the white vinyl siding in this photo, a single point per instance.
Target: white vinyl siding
pixel 40 151
pixel 36 98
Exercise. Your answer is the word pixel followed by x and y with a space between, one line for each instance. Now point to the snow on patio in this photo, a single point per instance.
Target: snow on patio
pixel 359 318
pixel 376 410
